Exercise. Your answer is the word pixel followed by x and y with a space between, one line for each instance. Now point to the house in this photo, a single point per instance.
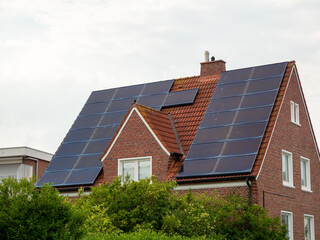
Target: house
pixel 246 131
pixel 23 162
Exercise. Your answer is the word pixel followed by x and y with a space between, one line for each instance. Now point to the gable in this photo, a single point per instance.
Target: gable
pixel 295 138
pixel 135 140
pixel 137 115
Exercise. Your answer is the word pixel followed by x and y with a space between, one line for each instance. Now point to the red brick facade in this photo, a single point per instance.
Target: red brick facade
pixel 299 141
pixel 135 140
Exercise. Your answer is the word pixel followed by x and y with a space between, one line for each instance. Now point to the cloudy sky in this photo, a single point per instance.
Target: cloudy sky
pixel 53 53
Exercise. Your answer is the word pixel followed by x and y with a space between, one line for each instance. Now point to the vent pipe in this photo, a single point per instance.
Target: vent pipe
pixel 206 56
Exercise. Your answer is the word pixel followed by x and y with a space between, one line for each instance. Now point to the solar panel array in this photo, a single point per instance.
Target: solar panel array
pixel 77 161
pixel 229 137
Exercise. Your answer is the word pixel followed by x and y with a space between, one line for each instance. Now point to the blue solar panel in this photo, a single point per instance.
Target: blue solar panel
pixel 180 98
pixel 97 123
pixel 233 126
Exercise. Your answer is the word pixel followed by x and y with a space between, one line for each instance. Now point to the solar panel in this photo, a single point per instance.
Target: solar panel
pixel 153 100
pixel 180 97
pixel 95 126
pixel 131 91
pixel 157 87
pixel 83 176
pixel 94 108
pixel 86 121
pixel 102 95
pixel 104 132
pixel 56 178
pixel 62 163
pixel 79 135
pixel 88 161
pixel 233 126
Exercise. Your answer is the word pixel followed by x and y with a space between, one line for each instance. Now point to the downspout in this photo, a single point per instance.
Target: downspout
pixel 249 191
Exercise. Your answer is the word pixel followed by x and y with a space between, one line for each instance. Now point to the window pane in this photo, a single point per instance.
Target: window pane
pixel 285 167
pixel 292 111
pixel 297 113
pixel 144 169
pixel 128 169
pixel 307 228
pixel 285 221
pixel 303 173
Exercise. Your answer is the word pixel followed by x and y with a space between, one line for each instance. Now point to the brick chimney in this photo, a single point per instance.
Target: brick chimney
pixel 211 67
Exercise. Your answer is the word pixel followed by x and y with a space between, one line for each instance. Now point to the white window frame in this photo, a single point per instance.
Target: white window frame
pixel 311 217
pixel 289 182
pixel 306 187
pixel 294 110
pixel 290 221
pixel 136 161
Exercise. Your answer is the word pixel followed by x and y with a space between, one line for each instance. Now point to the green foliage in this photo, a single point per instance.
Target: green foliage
pixel 129 210
pixel 151 205
pixel 27 213
pixel 236 219
pixel 141 235
pixel 131 205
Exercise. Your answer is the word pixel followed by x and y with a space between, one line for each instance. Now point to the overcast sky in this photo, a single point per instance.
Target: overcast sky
pixel 53 53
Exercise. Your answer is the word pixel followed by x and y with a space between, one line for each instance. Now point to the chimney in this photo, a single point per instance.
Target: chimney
pixel 211 67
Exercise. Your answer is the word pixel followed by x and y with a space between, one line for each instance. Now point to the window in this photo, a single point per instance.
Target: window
pixel 136 168
pixel 305 174
pixel 308 227
pixel 287 220
pixel 294 109
pixel 287 172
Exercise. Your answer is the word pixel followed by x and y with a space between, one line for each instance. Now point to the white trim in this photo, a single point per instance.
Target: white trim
pixel 306 188
pixel 122 127
pixel 288 183
pixel 212 185
pixel 136 161
pixel 306 216
pixel 295 113
pixel 290 219
pixel 275 124
pixel 25 151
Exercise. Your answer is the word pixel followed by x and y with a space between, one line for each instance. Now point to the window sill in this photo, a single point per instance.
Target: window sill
pixel 288 185
pixel 306 190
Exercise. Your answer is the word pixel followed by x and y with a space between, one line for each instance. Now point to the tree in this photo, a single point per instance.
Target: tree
pixel 30 213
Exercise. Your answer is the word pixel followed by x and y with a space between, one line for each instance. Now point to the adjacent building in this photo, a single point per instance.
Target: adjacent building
pixel 23 162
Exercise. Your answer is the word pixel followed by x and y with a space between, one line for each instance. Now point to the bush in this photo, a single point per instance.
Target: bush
pixel 130 205
pixel 141 235
pixel 27 213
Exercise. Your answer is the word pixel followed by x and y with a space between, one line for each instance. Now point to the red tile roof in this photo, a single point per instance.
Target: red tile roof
pixel 161 125
pixel 187 118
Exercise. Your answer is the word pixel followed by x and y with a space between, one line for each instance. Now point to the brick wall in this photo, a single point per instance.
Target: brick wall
pixel 223 191
pixel 298 140
pixel 135 140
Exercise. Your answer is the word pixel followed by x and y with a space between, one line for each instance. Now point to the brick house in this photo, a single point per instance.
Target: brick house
pixel 23 162
pixel 246 131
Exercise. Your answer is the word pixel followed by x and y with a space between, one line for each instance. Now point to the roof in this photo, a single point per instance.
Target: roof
pixel 196 116
pixel 24 151
pixel 163 127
